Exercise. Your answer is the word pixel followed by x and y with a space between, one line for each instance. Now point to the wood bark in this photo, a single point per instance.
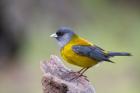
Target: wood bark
pixel 57 78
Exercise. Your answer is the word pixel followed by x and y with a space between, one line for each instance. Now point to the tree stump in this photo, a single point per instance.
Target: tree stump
pixel 57 78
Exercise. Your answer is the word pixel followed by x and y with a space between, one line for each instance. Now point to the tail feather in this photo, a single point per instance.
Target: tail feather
pixel 112 54
pixel 110 61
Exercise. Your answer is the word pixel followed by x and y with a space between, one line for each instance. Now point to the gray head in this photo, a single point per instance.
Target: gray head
pixel 63 35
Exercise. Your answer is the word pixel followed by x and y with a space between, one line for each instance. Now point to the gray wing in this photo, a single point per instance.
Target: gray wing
pixel 93 52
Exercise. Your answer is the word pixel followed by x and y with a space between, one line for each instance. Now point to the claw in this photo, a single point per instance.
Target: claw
pixel 78 76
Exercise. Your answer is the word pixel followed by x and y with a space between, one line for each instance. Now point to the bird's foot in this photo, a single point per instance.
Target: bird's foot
pixel 76 75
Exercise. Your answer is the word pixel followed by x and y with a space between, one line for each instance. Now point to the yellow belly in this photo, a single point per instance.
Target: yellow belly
pixel 70 56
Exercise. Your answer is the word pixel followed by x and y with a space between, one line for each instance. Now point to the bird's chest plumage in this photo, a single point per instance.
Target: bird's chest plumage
pixel 70 56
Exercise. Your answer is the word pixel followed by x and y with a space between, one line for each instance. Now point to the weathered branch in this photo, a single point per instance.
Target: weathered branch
pixel 59 79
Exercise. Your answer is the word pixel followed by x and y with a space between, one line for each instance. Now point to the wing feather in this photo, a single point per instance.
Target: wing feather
pixel 93 52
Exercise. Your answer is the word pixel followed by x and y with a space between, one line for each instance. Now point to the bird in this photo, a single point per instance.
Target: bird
pixel 80 52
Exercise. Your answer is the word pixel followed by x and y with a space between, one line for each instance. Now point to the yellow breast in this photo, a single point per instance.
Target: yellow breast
pixel 70 56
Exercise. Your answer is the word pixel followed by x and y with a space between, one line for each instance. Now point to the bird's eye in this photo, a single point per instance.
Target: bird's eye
pixel 60 33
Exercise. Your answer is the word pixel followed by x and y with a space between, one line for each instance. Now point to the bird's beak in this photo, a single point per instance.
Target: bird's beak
pixel 53 35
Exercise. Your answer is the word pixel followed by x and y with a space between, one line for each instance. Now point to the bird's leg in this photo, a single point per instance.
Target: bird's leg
pixel 80 70
pixel 84 70
pixel 81 74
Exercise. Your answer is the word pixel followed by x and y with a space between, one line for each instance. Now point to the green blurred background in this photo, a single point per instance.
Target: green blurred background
pixel 111 24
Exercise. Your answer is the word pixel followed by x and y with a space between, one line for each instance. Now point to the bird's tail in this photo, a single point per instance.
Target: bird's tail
pixel 112 54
